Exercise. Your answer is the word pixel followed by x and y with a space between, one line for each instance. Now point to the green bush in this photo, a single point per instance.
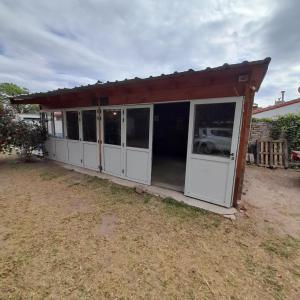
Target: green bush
pixel 19 135
pixel 287 127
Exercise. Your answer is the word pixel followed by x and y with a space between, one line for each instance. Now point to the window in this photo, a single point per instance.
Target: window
pixel 58 124
pixel 49 123
pixel 72 125
pixel 137 127
pixel 112 127
pixel 213 126
pixel 89 126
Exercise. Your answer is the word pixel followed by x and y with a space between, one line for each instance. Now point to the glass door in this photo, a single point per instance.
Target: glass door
pixel 126 148
pixel 212 147
pixel 74 138
pixel 90 129
pixel 111 145
pixel 138 143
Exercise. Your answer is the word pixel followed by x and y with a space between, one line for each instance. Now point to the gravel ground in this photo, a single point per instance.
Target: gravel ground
pixel 65 235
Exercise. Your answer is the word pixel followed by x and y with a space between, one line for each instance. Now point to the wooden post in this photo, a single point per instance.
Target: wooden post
pixel 244 137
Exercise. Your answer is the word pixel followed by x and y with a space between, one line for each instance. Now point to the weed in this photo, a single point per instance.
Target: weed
pixel 283 247
pixel 296 271
pixel 250 264
pixel 181 209
pixel 147 198
pixel 50 175
pixel 95 182
pixel 270 279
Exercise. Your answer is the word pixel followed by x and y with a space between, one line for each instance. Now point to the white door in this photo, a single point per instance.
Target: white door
pixel 214 128
pixel 138 143
pixel 127 142
pixel 74 146
pixel 90 145
pixel 111 144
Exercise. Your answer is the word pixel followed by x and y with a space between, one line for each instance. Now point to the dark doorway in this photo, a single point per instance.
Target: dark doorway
pixel 170 135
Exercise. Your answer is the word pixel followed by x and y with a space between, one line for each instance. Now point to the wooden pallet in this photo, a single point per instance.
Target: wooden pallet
pixel 272 153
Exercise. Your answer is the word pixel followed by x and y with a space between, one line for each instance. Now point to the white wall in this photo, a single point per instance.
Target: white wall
pixel 280 111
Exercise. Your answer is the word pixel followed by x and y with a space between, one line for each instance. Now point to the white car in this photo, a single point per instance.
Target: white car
pixel 213 140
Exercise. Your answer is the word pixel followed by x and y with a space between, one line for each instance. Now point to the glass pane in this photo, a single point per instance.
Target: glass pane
pixel 112 127
pixel 58 124
pixel 72 125
pixel 213 127
pixel 49 120
pixel 137 131
pixel 89 126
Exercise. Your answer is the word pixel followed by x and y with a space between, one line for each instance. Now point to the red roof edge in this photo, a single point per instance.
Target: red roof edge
pixel 259 110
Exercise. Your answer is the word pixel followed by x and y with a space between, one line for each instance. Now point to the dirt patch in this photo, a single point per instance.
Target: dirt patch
pixel 274 196
pixel 73 236
pixel 107 225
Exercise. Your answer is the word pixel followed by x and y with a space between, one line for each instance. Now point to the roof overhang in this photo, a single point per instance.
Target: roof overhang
pixel 225 81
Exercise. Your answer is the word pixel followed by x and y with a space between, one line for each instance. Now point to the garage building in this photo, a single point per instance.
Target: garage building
pixel 186 131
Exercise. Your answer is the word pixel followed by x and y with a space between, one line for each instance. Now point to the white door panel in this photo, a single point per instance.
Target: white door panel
pixel 137 165
pixel 208 179
pixel 112 160
pixel 90 156
pixel 212 147
pixel 75 152
pixel 61 150
pixel 50 148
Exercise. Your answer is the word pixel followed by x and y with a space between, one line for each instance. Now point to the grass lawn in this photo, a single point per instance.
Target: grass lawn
pixel 65 235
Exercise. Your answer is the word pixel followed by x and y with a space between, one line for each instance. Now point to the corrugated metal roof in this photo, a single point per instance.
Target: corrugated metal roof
pixel 175 74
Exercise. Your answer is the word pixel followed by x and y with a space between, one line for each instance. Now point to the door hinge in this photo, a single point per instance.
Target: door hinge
pixel 122 144
pixel 100 168
pixel 123 171
pixel 81 160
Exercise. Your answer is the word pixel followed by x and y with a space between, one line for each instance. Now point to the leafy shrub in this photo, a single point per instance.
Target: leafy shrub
pixel 29 137
pixel 26 137
pixel 7 129
pixel 287 127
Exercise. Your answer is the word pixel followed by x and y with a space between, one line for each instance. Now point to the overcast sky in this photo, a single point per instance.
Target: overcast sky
pixel 45 45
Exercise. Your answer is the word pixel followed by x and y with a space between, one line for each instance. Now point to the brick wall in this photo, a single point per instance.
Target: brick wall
pixel 259 130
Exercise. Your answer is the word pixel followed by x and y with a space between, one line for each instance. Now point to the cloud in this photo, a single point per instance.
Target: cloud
pixel 49 44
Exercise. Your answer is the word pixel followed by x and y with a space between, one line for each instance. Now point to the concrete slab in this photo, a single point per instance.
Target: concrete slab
pixel 157 191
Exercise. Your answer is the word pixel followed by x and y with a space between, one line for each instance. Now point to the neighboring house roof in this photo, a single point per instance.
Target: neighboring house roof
pixel 272 107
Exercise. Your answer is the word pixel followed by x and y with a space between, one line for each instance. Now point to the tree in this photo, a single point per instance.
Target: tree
pixel 11 89
pixel 7 129
pixel 24 137
pixel 29 137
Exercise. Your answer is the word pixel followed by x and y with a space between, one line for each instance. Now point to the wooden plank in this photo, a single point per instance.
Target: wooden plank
pixel 285 150
pixel 280 155
pixel 267 154
pixel 262 161
pixel 276 154
pixel 271 154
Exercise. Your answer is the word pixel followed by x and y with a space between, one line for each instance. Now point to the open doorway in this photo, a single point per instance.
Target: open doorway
pixel 170 136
